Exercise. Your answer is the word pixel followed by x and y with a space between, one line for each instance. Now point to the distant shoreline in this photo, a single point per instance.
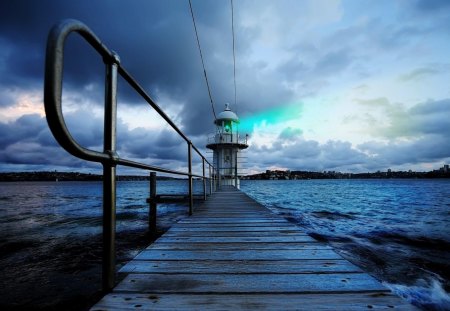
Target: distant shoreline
pixel 69 176
pixel 443 172
pixel 268 175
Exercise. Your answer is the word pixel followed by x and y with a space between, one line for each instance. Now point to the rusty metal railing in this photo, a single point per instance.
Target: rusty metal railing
pixel 109 157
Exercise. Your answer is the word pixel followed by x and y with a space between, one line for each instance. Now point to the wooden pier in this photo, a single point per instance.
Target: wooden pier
pixel 235 254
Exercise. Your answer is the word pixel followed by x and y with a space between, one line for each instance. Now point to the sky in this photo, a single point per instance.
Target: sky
pixel 322 85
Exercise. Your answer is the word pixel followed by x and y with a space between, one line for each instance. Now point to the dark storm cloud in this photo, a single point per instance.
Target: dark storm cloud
pixel 141 144
pixel 24 128
pixel 298 153
pixel 28 140
pixel 7 98
pixel 155 41
pixel 427 149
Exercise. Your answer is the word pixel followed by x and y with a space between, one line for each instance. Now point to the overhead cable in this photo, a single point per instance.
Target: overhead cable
pixel 203 63
pixel 234 57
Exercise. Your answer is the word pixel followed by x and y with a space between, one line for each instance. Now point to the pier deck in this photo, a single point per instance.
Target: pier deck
pixel 235 254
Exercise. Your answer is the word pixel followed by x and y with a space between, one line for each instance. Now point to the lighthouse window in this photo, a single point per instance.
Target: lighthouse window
pixel 227 126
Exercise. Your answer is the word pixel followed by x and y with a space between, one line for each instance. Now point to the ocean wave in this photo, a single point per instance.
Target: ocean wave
pixel 329 238
pixel 382 237
pixel 332 215
pixel 426 293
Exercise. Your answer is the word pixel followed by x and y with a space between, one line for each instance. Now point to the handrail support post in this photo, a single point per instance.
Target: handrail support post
pixel 210 179
pixel 152 213
pixel 204 179
pixel 191 194
pixel 109 175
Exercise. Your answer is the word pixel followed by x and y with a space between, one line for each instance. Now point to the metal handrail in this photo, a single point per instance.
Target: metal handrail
pixel 108 158
pixel 53 92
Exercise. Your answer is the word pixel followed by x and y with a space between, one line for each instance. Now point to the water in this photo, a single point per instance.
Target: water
pixel 397 230
pixel 50 238
pixel 50 233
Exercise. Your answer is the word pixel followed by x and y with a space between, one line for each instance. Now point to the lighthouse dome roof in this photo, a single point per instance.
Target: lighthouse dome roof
pixel 227 114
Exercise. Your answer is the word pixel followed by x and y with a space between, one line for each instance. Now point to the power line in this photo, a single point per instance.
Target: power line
pixel 203 63
pixel 234 56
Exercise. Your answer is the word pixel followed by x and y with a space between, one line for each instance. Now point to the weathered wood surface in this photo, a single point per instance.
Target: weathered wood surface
pixel 234 254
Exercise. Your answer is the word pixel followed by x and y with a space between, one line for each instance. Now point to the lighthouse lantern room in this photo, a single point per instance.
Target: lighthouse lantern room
pixel 227 145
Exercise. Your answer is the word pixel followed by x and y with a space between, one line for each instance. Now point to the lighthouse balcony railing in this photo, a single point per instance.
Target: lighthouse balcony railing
pixel 227 138
pixel 109 158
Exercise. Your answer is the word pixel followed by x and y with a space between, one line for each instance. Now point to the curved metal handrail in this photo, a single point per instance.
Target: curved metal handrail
pixel 53 96
pixel 53 85
pixel 54 62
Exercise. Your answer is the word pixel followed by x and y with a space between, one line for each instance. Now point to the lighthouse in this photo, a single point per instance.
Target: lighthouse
pixel 227 145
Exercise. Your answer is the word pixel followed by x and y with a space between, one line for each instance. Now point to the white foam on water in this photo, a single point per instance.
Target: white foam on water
pixel 427 293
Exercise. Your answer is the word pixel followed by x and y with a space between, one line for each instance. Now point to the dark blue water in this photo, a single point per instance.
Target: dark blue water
pixel 50 233
pixel 397 230
pixel 50 238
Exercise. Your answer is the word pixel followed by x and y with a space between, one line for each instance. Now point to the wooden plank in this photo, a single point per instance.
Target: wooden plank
pixel 231 234
pixel 156 254
pixel 249 283
pixel 236 225
pixel 209 220
pixel 240 266
pixel 236 229
pixel 330 302
pixel 236 239
pixel 238 246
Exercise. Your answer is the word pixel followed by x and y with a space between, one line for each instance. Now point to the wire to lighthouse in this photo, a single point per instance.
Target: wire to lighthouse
pixel 234 57
pixel 203 63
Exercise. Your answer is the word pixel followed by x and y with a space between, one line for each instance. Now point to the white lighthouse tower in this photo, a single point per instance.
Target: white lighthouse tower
pixel 227 145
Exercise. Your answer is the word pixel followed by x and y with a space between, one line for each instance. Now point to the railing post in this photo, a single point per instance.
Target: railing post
pixel 210 179
pixel 214 180
pixel 204 179
pixel 152 206
pixel 217 180
pixel 191 197
pixel 109 175
pixel 236 171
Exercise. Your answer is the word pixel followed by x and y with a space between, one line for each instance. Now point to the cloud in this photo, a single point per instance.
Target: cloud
pixel 397 122
pixel 432 5
pixel 28 140
pixel 303 154
pixel 23 129
pixel 423 150
pixel 287 53
pixel 424 72
pixel 289 134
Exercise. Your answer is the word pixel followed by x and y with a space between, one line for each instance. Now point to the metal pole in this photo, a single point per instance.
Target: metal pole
pixel 204 179
pixel 210 179
pixel 109 176
pixel 191 198
pixel 236 170
pixel 152 206
pixel 215 179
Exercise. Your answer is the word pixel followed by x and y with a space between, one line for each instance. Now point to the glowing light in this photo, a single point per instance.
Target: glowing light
pixel 227 128
pixel 271 117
